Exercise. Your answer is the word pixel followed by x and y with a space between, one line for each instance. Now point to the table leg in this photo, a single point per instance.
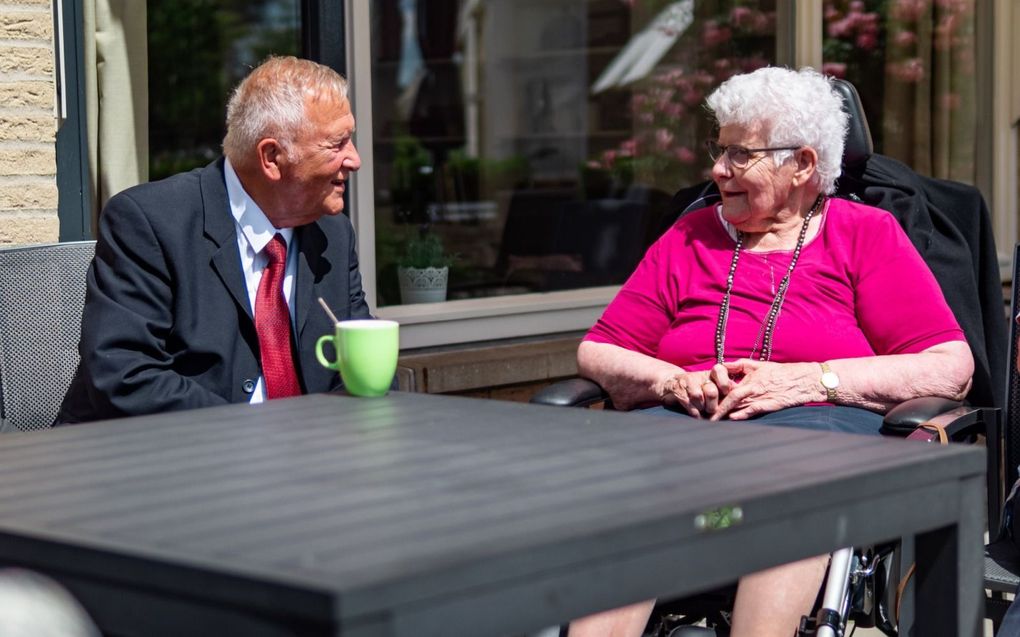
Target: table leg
pixel 950 564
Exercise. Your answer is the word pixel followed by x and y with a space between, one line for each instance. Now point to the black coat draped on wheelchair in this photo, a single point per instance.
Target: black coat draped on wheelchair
pixel 950 226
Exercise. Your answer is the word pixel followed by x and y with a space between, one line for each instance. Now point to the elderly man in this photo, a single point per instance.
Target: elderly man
pixel 204 285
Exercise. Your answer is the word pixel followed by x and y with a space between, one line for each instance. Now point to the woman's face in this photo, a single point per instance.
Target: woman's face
pixel 755 196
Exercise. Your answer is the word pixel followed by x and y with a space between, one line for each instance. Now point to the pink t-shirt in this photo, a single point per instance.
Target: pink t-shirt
pixel 859 289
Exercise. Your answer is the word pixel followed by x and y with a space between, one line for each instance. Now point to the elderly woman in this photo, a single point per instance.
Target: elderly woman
pixel 780 306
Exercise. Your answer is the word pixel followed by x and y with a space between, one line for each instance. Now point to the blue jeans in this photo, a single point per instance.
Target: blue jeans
pixel 820 418
pixel 1011 622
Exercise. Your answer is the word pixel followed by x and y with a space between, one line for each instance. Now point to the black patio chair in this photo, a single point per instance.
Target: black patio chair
pixel 42 294
pixel 951 227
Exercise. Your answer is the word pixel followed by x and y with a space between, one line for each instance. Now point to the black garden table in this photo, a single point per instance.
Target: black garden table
pixel 429 515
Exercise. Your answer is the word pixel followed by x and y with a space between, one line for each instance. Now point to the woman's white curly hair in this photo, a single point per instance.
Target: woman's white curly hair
pixel 791 108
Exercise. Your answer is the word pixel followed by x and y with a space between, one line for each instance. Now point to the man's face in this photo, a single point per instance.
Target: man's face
pixel 314 171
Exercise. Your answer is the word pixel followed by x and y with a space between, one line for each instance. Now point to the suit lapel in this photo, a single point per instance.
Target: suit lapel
pixel 219 229
pixel 311 245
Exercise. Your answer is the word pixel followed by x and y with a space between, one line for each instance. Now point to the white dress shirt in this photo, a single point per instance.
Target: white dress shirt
pixel 254 232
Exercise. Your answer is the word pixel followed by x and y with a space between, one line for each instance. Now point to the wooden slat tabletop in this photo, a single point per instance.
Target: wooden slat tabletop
pixel 342 512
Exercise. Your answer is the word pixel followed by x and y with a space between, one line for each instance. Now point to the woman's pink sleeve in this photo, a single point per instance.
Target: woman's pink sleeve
pixel 640 314
pixel 900 306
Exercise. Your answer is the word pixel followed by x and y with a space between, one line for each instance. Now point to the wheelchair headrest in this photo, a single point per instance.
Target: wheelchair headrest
pixel 858 138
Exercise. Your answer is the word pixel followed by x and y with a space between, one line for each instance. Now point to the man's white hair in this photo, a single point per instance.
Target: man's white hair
pixel 271 101
pixel 790 108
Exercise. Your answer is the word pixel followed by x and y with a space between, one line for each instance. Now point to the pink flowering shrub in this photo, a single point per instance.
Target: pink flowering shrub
pixel 868 39
pixel 887 48
pixel 852 34
pixel 902 55
pixel 666 108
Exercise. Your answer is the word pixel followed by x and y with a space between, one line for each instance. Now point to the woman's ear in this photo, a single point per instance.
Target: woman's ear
pixel 270 153
pixel 807 164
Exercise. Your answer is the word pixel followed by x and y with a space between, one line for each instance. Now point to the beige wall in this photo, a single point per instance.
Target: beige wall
pixel 28 187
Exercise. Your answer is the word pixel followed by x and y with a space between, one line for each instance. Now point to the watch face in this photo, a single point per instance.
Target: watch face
pixel 830 380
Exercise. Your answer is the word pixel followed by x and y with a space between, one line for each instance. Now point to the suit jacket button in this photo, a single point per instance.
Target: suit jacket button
pixel 248 386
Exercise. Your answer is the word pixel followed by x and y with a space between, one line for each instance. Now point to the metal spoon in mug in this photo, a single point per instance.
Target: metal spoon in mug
pixel 328 311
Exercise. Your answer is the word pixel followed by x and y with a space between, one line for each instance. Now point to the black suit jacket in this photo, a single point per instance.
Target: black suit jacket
pixel 167 322
pixel 949 224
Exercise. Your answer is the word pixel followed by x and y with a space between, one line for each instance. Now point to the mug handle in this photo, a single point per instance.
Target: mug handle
pixel 334 365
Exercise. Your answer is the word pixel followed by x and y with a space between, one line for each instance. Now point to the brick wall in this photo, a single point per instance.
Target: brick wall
pixel 28 187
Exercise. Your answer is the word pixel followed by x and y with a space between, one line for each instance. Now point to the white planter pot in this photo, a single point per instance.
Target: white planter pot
pixel 423 285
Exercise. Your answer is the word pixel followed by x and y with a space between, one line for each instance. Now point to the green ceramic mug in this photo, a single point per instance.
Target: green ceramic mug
pixel 366 355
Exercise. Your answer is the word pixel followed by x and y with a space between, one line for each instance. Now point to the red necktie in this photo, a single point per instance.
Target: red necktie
pixel 272 322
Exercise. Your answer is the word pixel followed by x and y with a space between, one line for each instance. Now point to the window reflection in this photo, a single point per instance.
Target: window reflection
pixel 540 141
pixel 913 63
pixel 198 51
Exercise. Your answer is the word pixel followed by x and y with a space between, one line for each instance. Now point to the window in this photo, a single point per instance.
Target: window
pixel 538 142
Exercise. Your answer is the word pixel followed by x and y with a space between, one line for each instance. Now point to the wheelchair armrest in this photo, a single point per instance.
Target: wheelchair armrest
pixel 905 417
pixel 576 392
pixel 961 423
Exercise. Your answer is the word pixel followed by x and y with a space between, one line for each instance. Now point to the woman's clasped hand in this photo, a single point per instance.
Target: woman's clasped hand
pixel 741 389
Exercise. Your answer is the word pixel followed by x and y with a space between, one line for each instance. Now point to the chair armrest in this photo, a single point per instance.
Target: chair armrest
pixel 576 392
pixel 905 417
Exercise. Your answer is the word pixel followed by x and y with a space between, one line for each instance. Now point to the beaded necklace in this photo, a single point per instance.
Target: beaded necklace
pixel 777 302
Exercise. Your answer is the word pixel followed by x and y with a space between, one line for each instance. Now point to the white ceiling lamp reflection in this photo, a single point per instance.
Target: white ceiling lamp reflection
pixel 646 47
pixel 411 65
pixel 411 68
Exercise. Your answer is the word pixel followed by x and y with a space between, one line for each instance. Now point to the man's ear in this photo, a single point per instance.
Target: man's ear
pixel 270 153
pixel 807 164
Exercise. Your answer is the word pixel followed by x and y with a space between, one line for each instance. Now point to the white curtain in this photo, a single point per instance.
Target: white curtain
pixel 117 96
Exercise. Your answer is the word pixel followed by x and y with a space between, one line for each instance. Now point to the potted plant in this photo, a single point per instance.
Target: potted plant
pixel 424 269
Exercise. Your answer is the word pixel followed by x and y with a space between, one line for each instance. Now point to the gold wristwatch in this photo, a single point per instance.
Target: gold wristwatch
pixel 830 381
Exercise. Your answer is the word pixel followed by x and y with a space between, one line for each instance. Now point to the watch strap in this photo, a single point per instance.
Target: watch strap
pixel 830 392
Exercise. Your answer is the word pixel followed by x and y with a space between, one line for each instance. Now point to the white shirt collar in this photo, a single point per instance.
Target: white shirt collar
pixel 727 226
pixel 252 222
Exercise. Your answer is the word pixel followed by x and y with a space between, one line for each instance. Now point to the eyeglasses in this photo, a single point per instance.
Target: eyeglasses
pixel 738 155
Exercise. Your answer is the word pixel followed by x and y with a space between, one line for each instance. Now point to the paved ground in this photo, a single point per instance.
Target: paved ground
pixel 874 632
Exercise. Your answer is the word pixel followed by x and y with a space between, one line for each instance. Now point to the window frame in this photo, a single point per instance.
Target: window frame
pixel 74 199
pixel 324 34
pixel 999 92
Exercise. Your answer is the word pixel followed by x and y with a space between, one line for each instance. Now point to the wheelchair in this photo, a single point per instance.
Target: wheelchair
pixel 951 228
